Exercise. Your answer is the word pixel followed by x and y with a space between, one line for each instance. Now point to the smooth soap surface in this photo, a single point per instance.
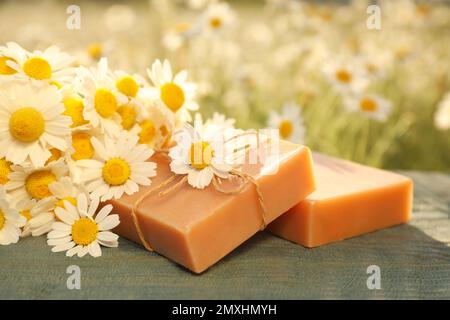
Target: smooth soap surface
pixel 350 200
pixel 196 228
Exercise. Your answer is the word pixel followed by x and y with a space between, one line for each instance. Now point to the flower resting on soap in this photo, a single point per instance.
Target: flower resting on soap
pixel 81 231
pixel 289 123
pixel 199 156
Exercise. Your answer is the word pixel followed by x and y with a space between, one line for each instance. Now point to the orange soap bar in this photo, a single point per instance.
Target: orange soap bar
pixel 196 228
pixel 350 200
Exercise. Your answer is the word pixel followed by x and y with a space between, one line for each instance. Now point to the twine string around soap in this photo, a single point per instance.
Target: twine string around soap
pixel 245 178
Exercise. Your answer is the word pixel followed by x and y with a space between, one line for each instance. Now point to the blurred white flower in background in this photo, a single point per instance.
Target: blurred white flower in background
pixel 346 76
pixel 372 106
pixel 289 123
pixel 442 114
pixel 217 17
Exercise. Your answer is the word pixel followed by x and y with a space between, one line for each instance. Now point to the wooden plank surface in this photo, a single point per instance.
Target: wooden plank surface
pixel 414 260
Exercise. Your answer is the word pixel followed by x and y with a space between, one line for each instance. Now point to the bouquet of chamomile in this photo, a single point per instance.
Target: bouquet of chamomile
pixel 73 137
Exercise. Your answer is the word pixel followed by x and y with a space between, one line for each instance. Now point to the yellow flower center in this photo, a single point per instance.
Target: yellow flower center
pixel 147 132
pixel 95 50
pixel 105 103
pixel 215 22
pixel 84 231
pixel 5 169
pixel 26 124
pixel 172 95
pixel 26 214
pixel 116 172
pixel 128 86
pixel 286 128
pixel 4 68
pixel 128 114
pixel 37 68
pixel 72 200
pixel 2 219
pixel 343 76
pixel 368 105
pixel 56 154
pixel 37 184
pixel 74 108
pixel 201 154
pixel 81 143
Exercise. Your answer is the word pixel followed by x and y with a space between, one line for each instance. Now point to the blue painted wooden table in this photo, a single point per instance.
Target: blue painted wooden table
pixel 414 261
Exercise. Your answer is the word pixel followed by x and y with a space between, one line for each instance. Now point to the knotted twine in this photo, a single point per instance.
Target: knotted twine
pixel 243 177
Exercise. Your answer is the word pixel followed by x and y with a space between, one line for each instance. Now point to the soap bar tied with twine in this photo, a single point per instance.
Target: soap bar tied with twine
pixel 174 182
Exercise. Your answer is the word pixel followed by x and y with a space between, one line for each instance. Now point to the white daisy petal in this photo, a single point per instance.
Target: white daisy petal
pixel 107 236
pixel 103 213
pixel 94 249
pixel 63 247
pixel 109 222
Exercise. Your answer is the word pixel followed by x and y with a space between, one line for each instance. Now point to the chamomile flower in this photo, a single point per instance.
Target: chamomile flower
pixel 134 109
pixel 289 123
pixel 10 222
pixel 372 106
pixel 28 182
pixel 81 148
pixel 39 216
pixel 217 17
pixel 93 52
pixel 174 92
pixel 51 65
pixel 346 76
pixel 81 231
pixel 127 84
pixel 156 128
pixel 442 115
pixel 102 99
pixel 199 156
pixel 65 190
pixel 132 113
pixel 120 168
pixel 42 213
pixel 74 106
pixel 10 54
pixel 31 122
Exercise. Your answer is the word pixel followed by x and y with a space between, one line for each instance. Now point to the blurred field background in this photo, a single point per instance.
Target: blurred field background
pixel 261 55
